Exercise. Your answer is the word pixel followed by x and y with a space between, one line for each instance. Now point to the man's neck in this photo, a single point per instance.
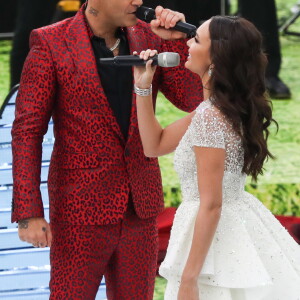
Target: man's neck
pixel 100 26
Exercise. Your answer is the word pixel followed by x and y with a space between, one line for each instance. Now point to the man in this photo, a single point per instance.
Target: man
pixel 104 193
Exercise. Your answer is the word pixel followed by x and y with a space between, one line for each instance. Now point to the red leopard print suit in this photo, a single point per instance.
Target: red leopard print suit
pixel 93 169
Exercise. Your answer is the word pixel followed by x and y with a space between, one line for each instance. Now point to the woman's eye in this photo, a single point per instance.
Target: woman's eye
pixel 196 40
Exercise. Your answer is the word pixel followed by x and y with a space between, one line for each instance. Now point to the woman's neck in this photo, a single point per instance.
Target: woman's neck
pixel 206 93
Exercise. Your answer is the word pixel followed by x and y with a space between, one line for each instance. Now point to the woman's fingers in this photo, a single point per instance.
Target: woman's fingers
pixel 145 54
pixel 149 65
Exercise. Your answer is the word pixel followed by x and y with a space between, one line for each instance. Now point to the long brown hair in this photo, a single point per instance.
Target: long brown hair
pixel 238 85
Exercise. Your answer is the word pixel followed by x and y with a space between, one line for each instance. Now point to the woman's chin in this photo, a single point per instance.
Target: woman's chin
pixel 187 64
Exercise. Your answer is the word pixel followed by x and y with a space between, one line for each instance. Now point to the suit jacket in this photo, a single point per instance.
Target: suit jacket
pixel 93 169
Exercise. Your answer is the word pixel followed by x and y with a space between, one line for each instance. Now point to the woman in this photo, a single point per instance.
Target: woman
pixel 224 243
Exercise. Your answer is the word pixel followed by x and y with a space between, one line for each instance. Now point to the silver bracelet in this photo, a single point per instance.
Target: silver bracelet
pixel 143 92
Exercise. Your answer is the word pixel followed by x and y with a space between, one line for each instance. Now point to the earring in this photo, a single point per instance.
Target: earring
pixel 210 70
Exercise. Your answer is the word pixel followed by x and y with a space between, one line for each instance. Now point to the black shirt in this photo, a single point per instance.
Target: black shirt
pixel 116 81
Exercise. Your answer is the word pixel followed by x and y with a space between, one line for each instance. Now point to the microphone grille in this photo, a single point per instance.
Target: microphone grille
pixel 168 59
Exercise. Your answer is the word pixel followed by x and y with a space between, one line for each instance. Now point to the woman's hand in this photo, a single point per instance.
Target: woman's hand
pixel 143 76
pixel 188 289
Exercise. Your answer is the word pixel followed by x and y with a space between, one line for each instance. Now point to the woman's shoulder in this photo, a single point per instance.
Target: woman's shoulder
pixel 207 109
pixel 208 114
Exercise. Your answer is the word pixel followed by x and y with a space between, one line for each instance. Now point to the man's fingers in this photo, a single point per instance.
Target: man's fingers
pixel 155 23
pixel 158 11
pixel 176 18
pixel 34 231
pixel 163 16
pixel 35 244
pixel 49 236
pixel 43 244
pixel 169 18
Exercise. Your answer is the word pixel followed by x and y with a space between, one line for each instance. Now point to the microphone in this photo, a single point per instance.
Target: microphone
pixel 147 14
pixel 165 59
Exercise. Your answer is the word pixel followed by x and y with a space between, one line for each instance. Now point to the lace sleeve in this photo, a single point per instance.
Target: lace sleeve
pixel 208 128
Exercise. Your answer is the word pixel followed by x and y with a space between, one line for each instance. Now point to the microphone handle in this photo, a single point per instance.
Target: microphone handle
pixel 147 14
pixel 132 60
pixel 187 28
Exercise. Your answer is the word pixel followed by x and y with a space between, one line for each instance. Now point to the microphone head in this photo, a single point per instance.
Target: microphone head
pixel 168 59
pixel 145 14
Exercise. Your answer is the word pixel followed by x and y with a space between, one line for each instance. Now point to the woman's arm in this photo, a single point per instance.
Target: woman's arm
pixel 210 166
pixel 156 140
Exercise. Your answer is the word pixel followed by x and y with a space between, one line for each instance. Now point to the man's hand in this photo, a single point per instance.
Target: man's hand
pixel 165 20
pixel 35 231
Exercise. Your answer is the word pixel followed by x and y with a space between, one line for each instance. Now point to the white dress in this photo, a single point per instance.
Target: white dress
pixel 252 257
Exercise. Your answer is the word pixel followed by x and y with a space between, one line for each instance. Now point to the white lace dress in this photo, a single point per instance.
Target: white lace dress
pixel 252 257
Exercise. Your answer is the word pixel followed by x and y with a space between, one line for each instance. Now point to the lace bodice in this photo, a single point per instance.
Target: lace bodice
pixel 209 128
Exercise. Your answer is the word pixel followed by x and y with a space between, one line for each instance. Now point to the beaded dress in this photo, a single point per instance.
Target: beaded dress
pixel 252 257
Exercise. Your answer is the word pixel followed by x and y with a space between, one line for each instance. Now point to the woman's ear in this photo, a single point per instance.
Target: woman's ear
pixel 210 69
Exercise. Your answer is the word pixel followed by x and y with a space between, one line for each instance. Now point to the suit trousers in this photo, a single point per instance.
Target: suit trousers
pixel 125 253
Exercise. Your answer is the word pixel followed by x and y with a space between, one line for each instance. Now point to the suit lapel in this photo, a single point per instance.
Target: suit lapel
pixel 82 53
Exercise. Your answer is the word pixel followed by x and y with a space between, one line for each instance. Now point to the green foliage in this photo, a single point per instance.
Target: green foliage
pixel 160 286
pixel 281 199
pixel 5 47
pixel 278 187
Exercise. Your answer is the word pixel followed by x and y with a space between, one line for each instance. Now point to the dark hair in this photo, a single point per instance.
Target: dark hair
pixel 238 85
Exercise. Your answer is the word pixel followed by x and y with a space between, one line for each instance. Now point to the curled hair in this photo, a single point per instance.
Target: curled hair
pixel 238 84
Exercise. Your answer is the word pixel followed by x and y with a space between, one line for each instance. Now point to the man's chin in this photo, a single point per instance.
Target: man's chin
pixel 131 21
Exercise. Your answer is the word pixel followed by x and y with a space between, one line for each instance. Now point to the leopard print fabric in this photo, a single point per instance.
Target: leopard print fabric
pixel 126 253
pixel 92 169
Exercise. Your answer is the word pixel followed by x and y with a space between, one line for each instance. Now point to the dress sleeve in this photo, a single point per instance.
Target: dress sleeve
pixel 208 128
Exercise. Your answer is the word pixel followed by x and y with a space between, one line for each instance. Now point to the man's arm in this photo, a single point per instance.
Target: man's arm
pixel 180 86
pixel 33 111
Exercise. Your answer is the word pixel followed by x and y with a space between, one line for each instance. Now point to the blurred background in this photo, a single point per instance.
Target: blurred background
pixel 24 271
